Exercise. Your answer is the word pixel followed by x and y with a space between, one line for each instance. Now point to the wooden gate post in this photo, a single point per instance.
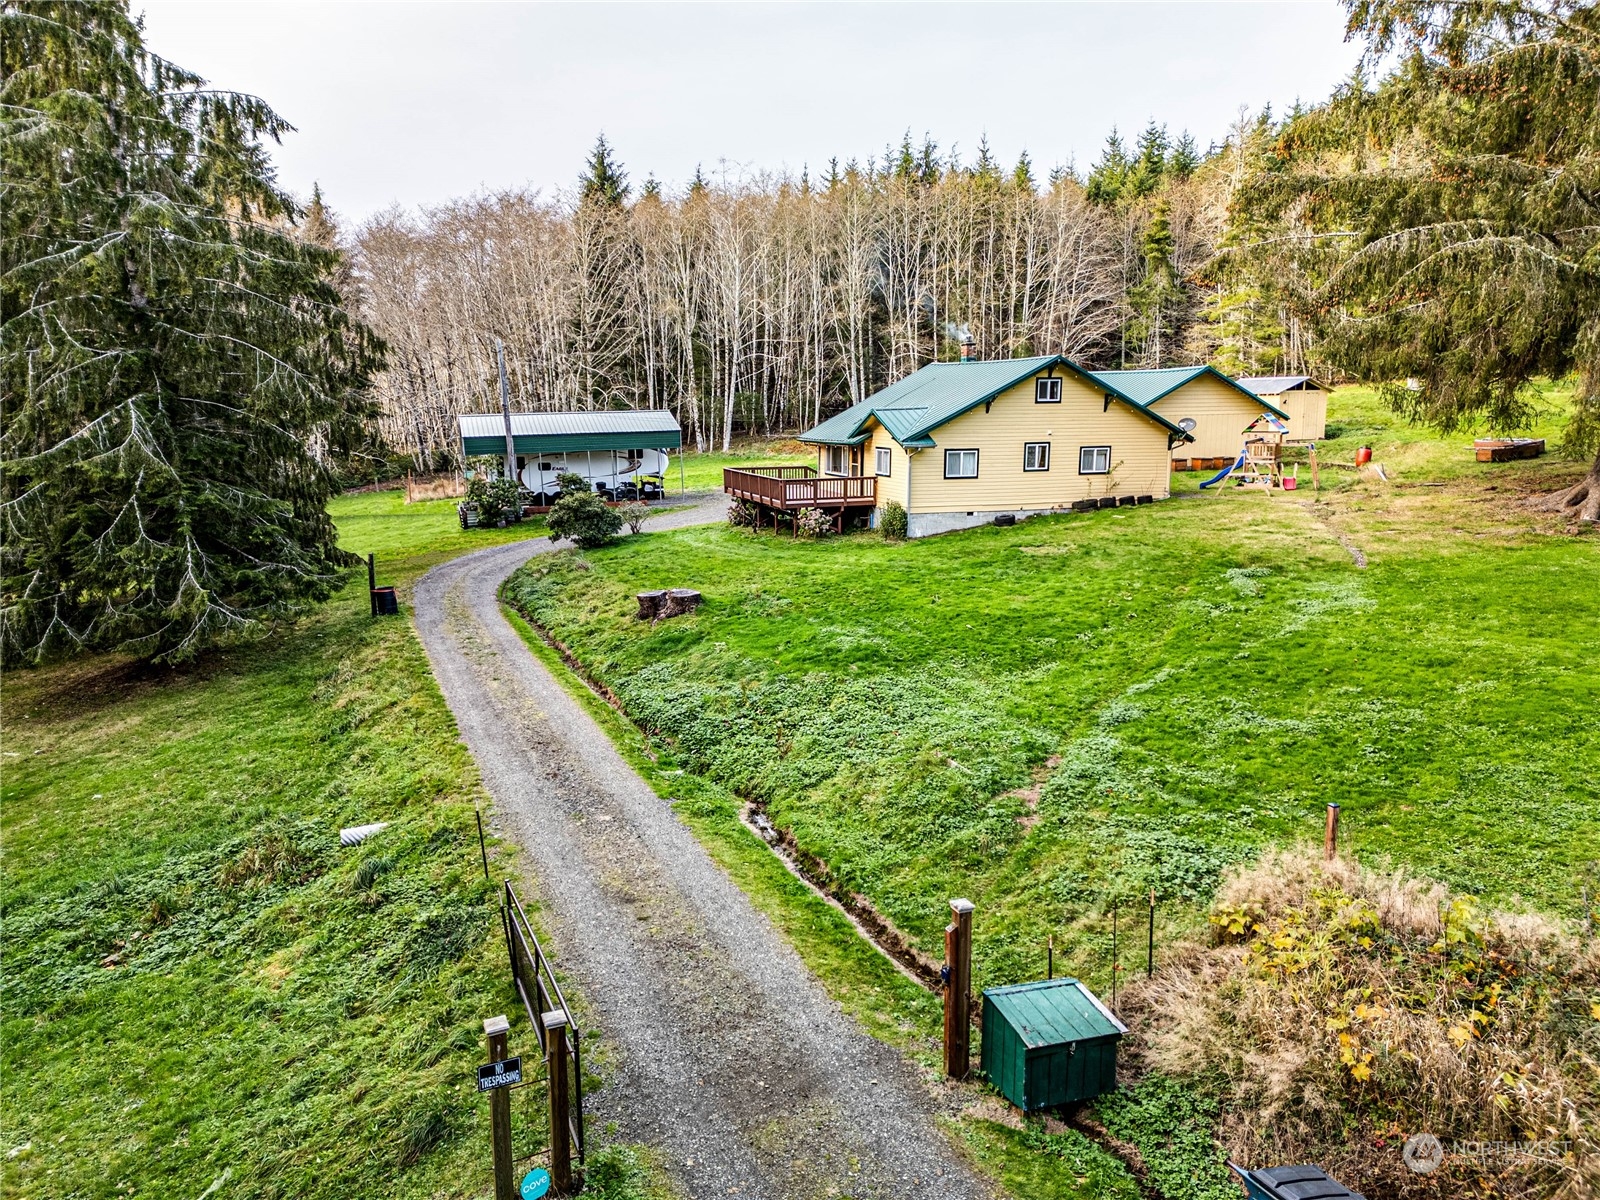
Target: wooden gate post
pixel 1330 835
pixel 496 1029
pixel 555 1040
pixel 958 991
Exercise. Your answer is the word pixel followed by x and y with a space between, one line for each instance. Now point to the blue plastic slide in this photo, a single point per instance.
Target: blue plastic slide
pixel 1225 472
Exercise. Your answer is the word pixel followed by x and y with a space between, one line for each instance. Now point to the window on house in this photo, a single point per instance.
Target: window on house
pixel 960 464
pixel 1036 456
pixel 1047 391
pixel 1094 460
pixel 836 461
pixel 882 460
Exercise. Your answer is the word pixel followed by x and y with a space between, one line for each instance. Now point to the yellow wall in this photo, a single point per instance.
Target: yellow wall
pixel 894 487
pixel 1139 457
pixel 1220 414
pixel 1308 413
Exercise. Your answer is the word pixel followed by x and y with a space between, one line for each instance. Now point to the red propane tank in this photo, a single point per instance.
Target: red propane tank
pixel 1363 456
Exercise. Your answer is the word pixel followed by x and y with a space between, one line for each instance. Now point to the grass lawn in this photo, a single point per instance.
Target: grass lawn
pixel 703 472
pixel 201 985
pixel 1055 718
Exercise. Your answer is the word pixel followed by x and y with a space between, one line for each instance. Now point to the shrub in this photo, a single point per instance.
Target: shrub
pixel 892 522
pixel 744 514
pixel 1347 1008
pixel 571 481
pixel 494 498
pixel 634 514
pixel 814 522
pixel 585 518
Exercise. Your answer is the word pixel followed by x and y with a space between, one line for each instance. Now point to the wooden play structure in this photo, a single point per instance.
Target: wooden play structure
pixel 1260 462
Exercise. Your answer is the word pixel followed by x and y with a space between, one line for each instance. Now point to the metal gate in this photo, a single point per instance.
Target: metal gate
pixel 540 993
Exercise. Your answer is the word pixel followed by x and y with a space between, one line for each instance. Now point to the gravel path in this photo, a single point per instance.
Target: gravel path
pixel 728 1055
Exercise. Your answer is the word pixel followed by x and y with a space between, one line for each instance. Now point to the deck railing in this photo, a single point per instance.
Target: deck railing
pixel 799 487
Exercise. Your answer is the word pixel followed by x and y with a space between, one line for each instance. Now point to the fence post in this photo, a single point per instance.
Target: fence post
pixel 496 1029
pixel 1150 947
pixel 555 1041
pixel 1330 835
pixel 372 584
pixel 958 991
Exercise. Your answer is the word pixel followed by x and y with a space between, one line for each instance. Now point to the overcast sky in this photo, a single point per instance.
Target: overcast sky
pixel 417 103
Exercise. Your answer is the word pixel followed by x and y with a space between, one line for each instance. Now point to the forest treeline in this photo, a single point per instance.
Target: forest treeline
pixel 763 304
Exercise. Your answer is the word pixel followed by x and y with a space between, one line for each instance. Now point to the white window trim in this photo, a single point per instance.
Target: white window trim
pixel 1096 450
pixel 827 460
pixel 947 455
pixel 883 461
pixel 1027 446
pixel 1038 387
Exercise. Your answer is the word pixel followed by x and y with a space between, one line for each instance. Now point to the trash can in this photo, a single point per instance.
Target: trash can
pixel 384 602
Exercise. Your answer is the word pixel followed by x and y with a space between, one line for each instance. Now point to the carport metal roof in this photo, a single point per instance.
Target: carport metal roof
pixel 565 432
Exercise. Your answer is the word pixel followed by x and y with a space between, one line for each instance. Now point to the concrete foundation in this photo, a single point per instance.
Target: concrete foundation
pixel 928 524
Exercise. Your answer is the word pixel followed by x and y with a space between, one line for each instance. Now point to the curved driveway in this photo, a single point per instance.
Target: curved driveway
pixel 724 1052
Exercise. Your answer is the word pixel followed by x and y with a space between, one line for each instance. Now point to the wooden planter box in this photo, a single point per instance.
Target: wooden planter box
pixel 1506 449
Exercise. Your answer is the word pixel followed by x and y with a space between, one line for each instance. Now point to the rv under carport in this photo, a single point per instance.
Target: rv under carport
pixel 597 445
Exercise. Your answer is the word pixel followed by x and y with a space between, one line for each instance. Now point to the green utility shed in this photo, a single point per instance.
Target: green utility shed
pixel 1049 1043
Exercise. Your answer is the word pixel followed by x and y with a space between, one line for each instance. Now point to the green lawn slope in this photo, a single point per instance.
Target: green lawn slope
pixel 1056 718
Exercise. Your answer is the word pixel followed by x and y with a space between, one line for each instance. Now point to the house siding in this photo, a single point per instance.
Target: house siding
pixel 1139 455
pixel 1220 414
pixel 893 487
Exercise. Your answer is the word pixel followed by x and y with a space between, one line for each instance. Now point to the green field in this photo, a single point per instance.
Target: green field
pixel 1055 718
pixel 200 984
pixel 703 472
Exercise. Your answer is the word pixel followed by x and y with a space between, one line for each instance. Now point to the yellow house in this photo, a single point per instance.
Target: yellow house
pixel 1303 400
pixel 959 444
pixel 1212 408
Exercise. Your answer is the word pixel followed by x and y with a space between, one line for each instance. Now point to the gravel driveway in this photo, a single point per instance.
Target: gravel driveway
pixel 728 1055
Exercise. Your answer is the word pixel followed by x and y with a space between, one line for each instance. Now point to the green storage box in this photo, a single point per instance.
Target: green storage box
pixel 1049 1043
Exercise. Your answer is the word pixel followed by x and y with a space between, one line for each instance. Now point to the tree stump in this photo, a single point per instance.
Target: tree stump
pixel 650 605
pixel 679 601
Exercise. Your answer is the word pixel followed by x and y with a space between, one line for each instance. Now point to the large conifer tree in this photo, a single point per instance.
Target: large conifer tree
pixel 169 347
pixel 1447 223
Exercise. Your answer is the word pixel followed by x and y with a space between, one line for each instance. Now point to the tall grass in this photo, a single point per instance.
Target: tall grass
pixel 1345 1009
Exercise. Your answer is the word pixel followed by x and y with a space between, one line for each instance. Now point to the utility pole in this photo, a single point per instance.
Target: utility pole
pixel 505 408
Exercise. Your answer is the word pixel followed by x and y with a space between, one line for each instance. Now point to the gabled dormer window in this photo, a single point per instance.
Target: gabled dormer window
pixel 1047 390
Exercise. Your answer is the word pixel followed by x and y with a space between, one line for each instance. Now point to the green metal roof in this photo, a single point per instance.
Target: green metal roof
pixel 1053 1011
pixel 1151 386
pixel 569 432
pixel 912 408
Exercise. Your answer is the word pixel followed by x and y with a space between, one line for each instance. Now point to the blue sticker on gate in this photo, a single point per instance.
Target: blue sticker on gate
pixel 535 1183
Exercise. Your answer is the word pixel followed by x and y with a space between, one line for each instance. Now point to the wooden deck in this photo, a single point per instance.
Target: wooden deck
pixel 793 488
